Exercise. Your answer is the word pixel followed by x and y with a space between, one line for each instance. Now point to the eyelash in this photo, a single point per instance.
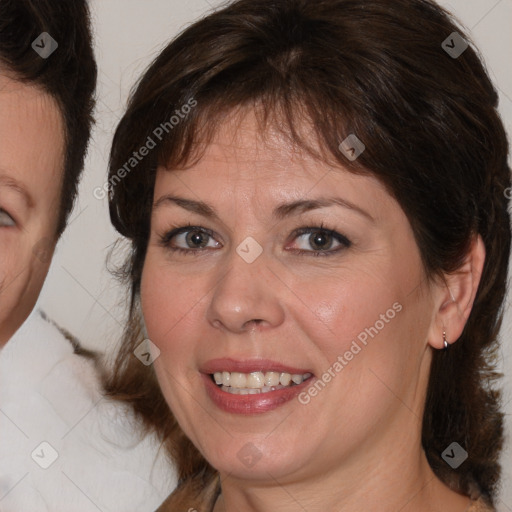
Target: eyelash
pixel 343 240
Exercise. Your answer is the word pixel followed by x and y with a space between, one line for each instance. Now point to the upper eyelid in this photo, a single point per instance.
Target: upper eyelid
pixel 18 188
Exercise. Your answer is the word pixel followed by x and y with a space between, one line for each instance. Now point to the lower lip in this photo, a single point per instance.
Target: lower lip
pixel 251 404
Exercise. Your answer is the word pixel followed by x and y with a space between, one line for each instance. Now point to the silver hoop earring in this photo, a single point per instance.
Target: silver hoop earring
pixel 445 343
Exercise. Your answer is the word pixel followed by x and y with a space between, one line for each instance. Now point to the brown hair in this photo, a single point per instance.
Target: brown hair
pixel 375 68
pixel 68 74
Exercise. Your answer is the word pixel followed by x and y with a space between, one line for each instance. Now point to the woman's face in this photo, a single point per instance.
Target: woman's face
pixel 342 304
pixel 31 166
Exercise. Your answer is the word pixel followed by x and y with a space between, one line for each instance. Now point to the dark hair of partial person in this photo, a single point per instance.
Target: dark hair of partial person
pixel 68 74
pixel 433 137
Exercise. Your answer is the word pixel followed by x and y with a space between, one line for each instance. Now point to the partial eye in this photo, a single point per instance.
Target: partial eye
pixel 6 220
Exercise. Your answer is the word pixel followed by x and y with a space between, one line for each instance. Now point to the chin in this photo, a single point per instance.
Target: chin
pixel 257 461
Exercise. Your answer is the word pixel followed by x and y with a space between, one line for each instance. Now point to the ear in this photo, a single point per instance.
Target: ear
pixel 454 298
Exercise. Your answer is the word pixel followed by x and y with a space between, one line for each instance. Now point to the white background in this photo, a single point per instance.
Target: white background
pixel 79 293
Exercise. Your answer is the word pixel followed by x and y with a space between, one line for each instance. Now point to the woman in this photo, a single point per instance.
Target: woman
pixel 320 242
pixel 61 446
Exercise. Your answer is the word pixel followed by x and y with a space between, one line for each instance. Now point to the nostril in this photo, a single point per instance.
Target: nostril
pixel 256 321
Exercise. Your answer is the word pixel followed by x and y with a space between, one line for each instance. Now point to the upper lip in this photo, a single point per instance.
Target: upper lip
pixel 249 366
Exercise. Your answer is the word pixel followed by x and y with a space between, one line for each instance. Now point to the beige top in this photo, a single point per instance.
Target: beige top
pixel 206 497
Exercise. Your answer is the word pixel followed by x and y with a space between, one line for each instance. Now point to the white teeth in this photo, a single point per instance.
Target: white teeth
pixel 256 382
pixel 238 380
pixel 271 378
pixel 297 378
pixel 285 379
pixel 246 391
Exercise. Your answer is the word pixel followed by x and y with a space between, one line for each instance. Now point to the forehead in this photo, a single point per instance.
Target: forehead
pixel 32 136
pixel 245 137
pixel 243 150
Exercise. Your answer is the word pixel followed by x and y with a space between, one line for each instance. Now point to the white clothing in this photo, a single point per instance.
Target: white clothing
pixel 50 395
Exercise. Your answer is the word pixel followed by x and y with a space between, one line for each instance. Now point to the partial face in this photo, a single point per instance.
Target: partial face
pixel 289 304
pixel 31 167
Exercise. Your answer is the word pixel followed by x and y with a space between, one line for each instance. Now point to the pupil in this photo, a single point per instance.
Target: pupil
pixel 320 240
pixel 196 238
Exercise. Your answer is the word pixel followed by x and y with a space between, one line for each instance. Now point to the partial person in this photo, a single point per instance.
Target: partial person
pixel 61 446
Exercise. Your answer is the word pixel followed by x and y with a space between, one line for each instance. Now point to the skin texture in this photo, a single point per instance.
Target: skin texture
pixel 31 167
pixel 357 444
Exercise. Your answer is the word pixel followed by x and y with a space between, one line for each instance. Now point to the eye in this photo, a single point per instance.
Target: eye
pixel 189 239
pixel 315 241
pixel 320 241
pixel 6 221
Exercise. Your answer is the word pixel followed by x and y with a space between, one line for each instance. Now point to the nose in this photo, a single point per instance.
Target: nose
pixel 246 297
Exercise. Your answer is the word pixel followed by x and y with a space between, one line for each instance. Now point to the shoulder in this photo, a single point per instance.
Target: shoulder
pixel 44 361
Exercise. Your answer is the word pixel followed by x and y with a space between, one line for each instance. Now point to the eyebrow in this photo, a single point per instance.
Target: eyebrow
pixel 17 186
pixel 280 212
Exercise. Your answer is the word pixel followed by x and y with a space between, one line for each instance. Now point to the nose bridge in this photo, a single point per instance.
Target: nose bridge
pixel 244 293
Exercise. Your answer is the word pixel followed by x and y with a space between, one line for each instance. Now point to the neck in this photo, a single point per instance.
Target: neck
pixel 385 478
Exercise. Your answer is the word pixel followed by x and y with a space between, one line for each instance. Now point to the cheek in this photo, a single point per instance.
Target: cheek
pixel 22 275
pixel 24 262
pixel 340 308
pixel 365 319
pixel 170 304
pixel 12 283
pixel 171 308
pixel 11 255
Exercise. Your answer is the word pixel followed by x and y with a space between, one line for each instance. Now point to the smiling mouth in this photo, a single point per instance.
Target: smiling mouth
pixel 256 382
